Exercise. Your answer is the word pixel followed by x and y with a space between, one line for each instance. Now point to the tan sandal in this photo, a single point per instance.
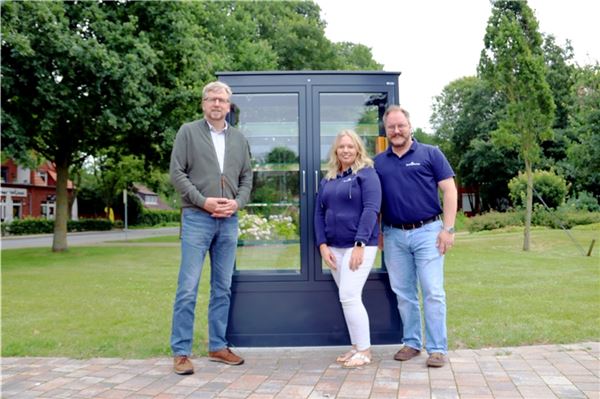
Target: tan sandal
pixel 346 356
pixel 359 359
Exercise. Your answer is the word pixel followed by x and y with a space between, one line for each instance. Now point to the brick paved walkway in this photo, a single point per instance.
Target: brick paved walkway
pixel 546 371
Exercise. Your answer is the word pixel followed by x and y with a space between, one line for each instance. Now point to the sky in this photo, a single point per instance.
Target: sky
pixel 434 42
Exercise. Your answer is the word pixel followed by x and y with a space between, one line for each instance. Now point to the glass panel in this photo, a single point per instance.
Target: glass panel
pixel 361 112
pixel 270 223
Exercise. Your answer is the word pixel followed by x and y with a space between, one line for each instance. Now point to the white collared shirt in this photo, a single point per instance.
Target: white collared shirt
pixel 218 138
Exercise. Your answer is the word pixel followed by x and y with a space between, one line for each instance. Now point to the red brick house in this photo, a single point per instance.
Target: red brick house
pixel 30 193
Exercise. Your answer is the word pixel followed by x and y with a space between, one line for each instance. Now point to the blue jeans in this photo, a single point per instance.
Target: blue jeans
pixel 202 233
pixel 412 258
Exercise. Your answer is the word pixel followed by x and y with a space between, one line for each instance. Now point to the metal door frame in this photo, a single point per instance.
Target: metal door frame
pixel 283 308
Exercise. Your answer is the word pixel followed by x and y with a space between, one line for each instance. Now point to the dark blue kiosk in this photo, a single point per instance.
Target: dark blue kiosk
pixel 283 295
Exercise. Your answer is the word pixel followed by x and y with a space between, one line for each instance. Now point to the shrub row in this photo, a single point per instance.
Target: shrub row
pixel 45 226
pixel 155 218
pixel 540 217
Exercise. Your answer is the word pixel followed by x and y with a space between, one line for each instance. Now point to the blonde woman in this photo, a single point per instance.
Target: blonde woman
pixel 346 233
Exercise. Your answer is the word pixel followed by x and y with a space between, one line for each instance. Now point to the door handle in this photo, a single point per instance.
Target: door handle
pixel 303 182
pixel 316 181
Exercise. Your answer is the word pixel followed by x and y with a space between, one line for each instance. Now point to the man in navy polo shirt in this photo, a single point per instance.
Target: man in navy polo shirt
pixel 417 233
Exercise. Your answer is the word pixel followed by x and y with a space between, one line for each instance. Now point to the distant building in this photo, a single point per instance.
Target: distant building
pixel 148 198
pixel 469 201
pixel 27 192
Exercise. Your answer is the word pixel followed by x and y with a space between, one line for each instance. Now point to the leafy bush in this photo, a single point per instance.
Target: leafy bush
pixel 154 218
pixel 563 217
pixel 540 217
pixel 584 201
pixel 494 220
pixel 46 226
pixel 551 187
pixel 89 225
pixel 30 226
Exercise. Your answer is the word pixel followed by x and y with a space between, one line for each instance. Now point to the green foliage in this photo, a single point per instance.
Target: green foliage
pixel 584 201
pixel 114 173
pixel 489 167
pixel 513 63
pixel 562 217
pixel 29 226
pixel 583 154
pixel 422 137
pixel 46 226
pixel 494 220
pixel 355 57
pixel 281 155
pixel 295 32
pixel 551 187
pixel 82 77
pixel 464 116
pixel 560 77
pixel 157 217
pixel 89 225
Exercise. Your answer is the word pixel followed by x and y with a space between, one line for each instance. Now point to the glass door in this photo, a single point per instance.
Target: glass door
pixel 358 110
pixel 271 224
pixel 281 294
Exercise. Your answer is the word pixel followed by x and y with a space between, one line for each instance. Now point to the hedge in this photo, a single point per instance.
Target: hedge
pixel 45 226
pixel 540 217
pixel 154 218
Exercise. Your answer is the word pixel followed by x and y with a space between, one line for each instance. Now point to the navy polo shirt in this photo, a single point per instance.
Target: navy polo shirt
pixel 409 183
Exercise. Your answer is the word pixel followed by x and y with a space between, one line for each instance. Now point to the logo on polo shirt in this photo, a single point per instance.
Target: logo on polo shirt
pixel 412 163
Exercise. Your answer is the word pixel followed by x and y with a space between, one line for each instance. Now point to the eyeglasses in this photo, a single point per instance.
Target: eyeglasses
pixel 392 128
pixel 214 100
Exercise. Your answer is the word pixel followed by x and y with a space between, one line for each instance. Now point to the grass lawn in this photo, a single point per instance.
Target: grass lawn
pixel 116 300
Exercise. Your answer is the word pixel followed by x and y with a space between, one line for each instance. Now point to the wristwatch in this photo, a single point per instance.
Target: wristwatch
pixel 450 230
pixel 359 244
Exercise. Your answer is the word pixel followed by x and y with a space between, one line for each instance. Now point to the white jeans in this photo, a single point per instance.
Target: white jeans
pixel 350 285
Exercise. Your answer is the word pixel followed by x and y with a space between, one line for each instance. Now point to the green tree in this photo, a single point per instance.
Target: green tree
pixel 583 154
pixel 560 76
pixel 74 80
pixel 513 62
pixel 114 173
pixel 463 117
pixel 490 167
pixel 79 77
pixel 281 155
pixel 295 32
pixel 425 138
pixel 355 57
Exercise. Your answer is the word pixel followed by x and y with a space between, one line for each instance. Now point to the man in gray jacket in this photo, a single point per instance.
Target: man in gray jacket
pixel 210 168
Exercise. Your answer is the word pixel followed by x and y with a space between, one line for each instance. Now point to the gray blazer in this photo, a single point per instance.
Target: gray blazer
pixel 194 168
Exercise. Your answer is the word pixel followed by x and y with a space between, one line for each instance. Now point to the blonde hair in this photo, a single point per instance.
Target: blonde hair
pixel 362 158
pixel 215 87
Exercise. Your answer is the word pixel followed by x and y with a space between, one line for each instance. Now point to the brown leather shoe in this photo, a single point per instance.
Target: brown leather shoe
pixel 226 356
pixel 406 353
pixel 183 365
pixel 436 359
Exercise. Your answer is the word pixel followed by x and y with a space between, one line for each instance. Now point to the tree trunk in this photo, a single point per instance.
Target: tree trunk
pixel 59 242
pixel 529 206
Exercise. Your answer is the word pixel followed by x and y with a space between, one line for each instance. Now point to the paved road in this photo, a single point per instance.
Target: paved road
pixel 84 238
